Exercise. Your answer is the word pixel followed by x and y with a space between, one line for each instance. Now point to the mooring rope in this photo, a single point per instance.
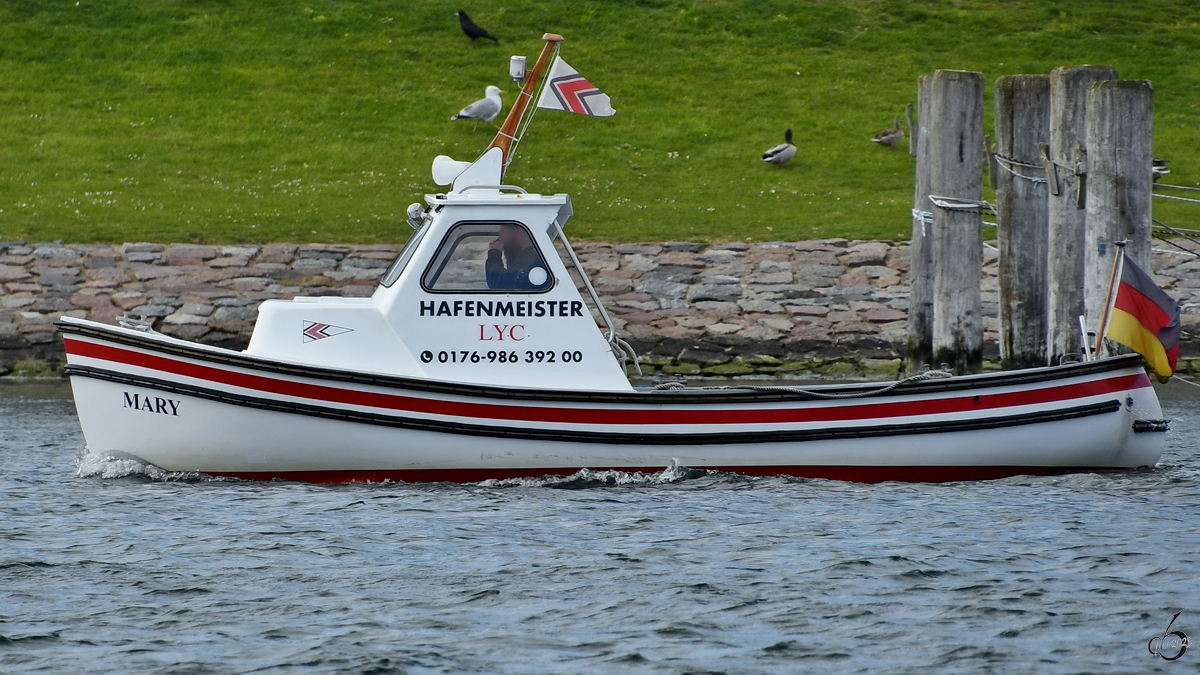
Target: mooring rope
pixel 1004 162
pixel 1176 199
pixel 927 375
pixel 956 204
pixel 1176 232
pixel 1186 381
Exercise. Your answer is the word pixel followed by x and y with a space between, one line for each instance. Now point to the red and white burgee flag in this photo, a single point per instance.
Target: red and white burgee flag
pixel 567 90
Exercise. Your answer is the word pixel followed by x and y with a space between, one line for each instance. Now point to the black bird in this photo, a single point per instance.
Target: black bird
pixel 473 31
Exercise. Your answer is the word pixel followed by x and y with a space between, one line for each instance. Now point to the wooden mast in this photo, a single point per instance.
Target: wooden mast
pixel 507 134
pixel 1118 260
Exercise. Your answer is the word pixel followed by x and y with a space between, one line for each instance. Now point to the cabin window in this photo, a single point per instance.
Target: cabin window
pixel 488 257
pixel 406 253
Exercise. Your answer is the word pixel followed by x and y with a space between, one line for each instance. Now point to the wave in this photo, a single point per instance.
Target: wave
pixel 591 478
pixel 106 465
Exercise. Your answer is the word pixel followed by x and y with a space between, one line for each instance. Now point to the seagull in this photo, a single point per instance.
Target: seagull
pixel 484 109
pixel 782 153
pixel 473 31
pixel 1158 168
pixel 890 137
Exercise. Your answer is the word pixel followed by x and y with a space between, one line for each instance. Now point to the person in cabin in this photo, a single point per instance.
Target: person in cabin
pixel 513 262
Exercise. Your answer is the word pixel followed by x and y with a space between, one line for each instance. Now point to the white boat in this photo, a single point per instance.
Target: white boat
pixel 479 357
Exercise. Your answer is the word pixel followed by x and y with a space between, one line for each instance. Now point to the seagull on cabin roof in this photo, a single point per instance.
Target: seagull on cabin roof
pixel 890 137
pixel 471 29
pixel 782 153
pixel 486 108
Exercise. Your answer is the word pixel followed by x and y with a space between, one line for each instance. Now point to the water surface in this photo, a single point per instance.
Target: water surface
pixel 111 567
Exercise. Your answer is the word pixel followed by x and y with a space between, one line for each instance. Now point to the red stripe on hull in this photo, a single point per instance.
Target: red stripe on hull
pixel 657 413
pixel 854 474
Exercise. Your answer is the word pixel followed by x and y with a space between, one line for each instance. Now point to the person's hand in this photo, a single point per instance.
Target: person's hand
pixel 495 245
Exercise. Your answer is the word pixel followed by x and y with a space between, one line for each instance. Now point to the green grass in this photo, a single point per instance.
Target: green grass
pixel 252 121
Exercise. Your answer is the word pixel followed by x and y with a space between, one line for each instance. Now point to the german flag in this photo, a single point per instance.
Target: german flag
pixel 1145 319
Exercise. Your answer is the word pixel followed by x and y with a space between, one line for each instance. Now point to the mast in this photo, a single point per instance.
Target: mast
pixel 507 136
pixel 1109 300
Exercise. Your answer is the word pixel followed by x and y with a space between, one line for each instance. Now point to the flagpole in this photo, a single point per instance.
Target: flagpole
pixel 1118 261
pixel 507 134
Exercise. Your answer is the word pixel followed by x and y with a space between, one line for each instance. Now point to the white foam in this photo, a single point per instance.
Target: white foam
pixel 103 465
pixel 673 473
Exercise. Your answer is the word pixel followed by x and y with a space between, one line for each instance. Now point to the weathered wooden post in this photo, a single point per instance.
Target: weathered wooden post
pixel 1022 106
pixel 919 352
pixel 1120 124
pixel 1067 155
pixel 956 172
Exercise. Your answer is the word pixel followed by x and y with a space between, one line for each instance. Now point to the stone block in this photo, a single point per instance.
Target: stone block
pixel 153 310
pixel 640 263
pixel 777 323
pixel 16 301
pixel 229 261
pixel 66 277
pixel 312 265
pixel 148 273
pixel 722 328
pixel 100 262
pixel 718 292
pixel 323 251
pixel 142 247
pixel 883 315
pixel 196 309
pixel 367 263
pixel 184 331
pixel 354 273
pixel 720 256
pixel 235 313
pixel 51 252
pixel 235 327
pixel 682 246
pixel 678 332
pixel 181 317
pixel 763 306
pixel 144 257
pixel 13 273
pixel 642 249
pixel 852 327
pixel 771 266
pixel 190 254
pixel 278 253
pixel 866 253
pixel 762 333
pixel 239 251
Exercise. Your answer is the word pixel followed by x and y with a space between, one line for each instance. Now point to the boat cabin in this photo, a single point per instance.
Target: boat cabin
pixel 481 294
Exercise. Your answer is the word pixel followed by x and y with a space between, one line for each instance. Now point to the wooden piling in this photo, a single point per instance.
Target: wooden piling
pixel 1065 232
pixel 1022 119
pixel 1120 119
pixel 956 171
pixel 919 352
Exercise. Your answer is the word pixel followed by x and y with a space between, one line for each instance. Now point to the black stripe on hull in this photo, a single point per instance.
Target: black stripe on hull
pixel 575 436
pixel 238 360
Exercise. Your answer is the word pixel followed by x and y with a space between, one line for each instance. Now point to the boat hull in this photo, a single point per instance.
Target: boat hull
pixel 190 409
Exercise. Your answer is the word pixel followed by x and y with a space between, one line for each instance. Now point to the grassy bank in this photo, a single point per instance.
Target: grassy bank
pixel 317 120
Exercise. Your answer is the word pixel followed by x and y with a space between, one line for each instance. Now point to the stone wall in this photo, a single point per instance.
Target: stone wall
pixel 776 309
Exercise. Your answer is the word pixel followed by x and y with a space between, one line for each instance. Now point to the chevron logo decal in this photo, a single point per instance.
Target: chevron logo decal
pixel 313 331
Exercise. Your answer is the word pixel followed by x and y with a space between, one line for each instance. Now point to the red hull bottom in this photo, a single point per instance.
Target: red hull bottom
pixel 855 474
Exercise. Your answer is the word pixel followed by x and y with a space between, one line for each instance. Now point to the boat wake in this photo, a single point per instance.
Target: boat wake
pixel 101 465
pixel 589 478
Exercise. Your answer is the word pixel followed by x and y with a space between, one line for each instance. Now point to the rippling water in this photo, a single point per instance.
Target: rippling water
pixel 110 568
